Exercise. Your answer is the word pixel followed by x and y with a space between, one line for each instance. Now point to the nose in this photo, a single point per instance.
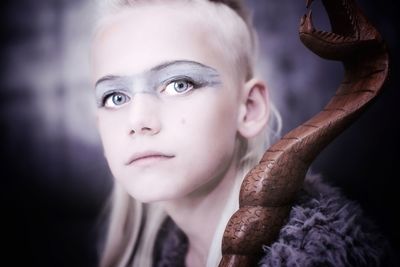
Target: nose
pixel 144 115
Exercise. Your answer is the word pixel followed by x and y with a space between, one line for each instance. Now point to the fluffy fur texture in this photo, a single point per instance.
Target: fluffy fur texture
pixel 326 229
pixel 323 229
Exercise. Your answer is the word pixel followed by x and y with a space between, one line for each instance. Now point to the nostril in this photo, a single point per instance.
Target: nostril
pixel 141 130
pixel 146 129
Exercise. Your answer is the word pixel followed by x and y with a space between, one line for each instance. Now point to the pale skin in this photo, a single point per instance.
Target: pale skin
pixel 177 141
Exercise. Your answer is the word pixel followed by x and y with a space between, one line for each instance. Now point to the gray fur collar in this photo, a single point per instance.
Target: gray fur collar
pixel 323 229
pixel 326 229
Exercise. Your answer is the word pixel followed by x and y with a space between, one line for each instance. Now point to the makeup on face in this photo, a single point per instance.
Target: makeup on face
pixel 173 78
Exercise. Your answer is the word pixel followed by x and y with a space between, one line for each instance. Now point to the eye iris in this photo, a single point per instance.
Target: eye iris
pixel 118 99
pixel 181 86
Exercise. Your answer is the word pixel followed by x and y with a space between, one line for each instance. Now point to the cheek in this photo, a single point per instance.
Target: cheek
pixel 219 117
pixel 209 121
pixel 111 130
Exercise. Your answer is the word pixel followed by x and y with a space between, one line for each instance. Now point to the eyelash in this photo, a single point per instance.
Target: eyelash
pixel 111 93
pixel 186 79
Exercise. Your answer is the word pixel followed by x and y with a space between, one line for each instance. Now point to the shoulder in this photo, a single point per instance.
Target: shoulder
pixel 326 229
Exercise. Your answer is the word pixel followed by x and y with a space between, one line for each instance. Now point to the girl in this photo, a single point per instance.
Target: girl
pixel 183 117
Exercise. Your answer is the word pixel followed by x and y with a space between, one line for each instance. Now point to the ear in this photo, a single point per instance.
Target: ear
pixel 254 110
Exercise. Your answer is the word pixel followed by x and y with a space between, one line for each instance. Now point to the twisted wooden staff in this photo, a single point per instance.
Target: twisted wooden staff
pixel 269 189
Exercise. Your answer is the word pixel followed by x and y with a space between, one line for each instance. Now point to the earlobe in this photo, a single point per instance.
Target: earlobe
pixel 254 110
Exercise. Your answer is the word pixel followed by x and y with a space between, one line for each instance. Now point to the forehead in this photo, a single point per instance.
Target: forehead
pixel 142 37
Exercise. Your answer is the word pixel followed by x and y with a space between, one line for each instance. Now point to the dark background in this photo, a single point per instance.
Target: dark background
pixel 54 179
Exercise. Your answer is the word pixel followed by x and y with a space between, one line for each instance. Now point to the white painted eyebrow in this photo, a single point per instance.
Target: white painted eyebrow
pixel 158 68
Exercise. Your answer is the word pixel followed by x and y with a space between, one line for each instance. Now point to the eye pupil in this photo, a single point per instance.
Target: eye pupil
pixel 118 99
pixel 181 86
pixel 178 86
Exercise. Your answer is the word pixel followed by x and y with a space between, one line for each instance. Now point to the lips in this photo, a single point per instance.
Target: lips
pixel 147 156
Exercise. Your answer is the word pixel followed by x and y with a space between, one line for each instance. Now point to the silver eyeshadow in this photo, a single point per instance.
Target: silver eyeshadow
pixel 152 80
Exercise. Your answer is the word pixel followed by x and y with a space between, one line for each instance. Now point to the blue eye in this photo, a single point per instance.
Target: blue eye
pixel 178 87
pixel 115 100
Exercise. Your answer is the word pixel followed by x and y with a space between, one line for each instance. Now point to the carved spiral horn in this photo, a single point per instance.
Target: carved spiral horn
pixel 269 189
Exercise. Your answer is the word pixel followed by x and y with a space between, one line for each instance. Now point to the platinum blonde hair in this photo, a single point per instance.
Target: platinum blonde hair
pixel 130 223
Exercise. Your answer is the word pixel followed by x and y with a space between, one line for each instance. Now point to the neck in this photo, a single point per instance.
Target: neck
pixel 198 215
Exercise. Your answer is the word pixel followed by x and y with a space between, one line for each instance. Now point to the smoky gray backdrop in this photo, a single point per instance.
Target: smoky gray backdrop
pixel 54 178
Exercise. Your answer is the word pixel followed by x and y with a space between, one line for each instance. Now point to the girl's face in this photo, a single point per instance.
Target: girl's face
pixel 167 103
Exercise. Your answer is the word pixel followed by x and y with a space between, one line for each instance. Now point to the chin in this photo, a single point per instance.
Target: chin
pixel 153 187
pixel 157 193
pixel 152 198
